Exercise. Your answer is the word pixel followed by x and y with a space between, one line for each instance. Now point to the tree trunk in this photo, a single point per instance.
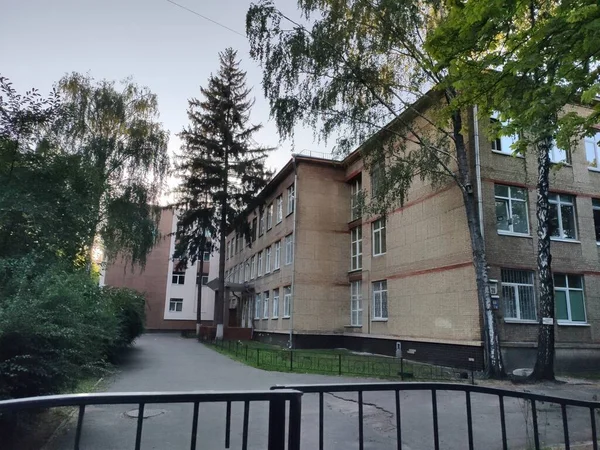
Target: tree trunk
pixel 544 364
pixel 493 358
pixel 220 301
pixel 199 300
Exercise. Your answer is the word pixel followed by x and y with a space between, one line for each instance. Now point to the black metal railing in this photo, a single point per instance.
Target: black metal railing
pixel 276 400
pixel 340 363
pixel 434 388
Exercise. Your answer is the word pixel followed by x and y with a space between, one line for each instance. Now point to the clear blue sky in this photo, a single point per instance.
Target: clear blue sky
pixel 162 46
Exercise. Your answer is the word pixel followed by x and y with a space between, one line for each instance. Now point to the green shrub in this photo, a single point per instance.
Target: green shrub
pixel 129 308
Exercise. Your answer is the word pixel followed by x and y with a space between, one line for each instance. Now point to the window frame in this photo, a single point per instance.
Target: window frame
pixel 559 202
pixel 259 264
pixel 379 230
pixel 261 223
pixel 257 306
pixel 517 296
pixel 279 209
pixel 291 199
pixel 202 282
pixel 375 174
pixel 265 301
pixel 356 305
pixel 592 141
pixel 268 260
pixel 378 295
pixel 356 248
pixel 554 150
pixel 270 216
pixel 503 140
pixel 206 256
pixel 180 276
pixel 175 302
pixel 246 270
pixel 287 300
pixel 253 267
pixel 355 194
pixel 275 309
pixel 277 256
pixel 596 210
pixel 289 249
pixel 566 289
pixel 510 199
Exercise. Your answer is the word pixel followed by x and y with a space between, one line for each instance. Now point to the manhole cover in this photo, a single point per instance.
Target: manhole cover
pixel 147 413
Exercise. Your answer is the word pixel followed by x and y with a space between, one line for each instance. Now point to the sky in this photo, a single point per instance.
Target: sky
pixel 162 46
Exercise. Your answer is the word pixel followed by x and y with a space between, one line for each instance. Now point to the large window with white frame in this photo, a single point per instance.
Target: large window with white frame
pixel 178 278
pixel 247 270
pixel 380 300
pixel 289 249
pixel 257 307
pixel 175 305
pixel 287 300
pixel 558 155
pixel 596 211
pixel 260 264
pixel 291 199
pixel 563 224
pixel 379 238
pixel 592 151
pixel 265 300
pixel 279 210
pixel 356 303
pixel 356 198
pixel 262 223
pixel 377 177
pixel 277 256
pixel 512 213
pixel 356 248
pixel 267 260
pixel 502 144
pixel 275 311
pixel 518 294
pixel 568 298
pixel 253 268
pixel 270 217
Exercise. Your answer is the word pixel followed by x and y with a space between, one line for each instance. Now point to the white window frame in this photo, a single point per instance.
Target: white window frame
pixel 596 207
pixel 277 259
pixel 265 302
pixel 562 200
pixel 514 286
pixel 261 223
pixel 270 216
pixel 556 155
pixel 246 270
pixel 289 249
pixel 291 199
pixel 356 307
pixel 275 303
pixel 204 280
pixel 356 248
pixel 505 141
pixel 257 306
pixel 355 192
pixel 380 295
pixel 593 146
pixel 268 260
pixel 287 300
pixel 178 277
pixel 510 199
pixel 567 290
pixel 253 267
pixel 259 264
pixel 378 228
pixel 174 303
pixel 279 211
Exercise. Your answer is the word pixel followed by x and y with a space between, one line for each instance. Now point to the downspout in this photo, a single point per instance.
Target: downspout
pixel 291 342
pixel 478 172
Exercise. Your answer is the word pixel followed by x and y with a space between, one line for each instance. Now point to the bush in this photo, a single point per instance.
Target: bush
pixel 129 307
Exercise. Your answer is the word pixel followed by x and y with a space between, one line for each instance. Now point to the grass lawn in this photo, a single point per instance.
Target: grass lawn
pixel 330 362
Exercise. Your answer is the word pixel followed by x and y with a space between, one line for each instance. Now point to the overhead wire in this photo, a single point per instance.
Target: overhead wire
pixel 206 18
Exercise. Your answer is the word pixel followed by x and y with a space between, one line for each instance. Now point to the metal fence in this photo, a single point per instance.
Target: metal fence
pixel 434 388
pixel 276 399
pixel 340 363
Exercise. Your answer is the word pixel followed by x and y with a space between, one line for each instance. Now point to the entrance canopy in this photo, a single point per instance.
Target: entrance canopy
pixel 242 288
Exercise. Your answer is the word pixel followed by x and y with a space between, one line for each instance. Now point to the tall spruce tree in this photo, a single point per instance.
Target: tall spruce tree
pixel 221 164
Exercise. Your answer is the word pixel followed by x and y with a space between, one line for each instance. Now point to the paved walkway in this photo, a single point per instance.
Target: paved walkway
pixel 162 362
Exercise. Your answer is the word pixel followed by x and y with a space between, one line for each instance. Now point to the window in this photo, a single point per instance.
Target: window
pixel 206 256
pixel 380 302
pixel 291 198
pixel 356 198
pixel 568 298
pixel 518 294
pixel 287 299
pixel 279 202
pixel 253 268
pixel 512 214
pixel 265 299
pixel 377 173
pixel 277 262
pixel 275 303
pixel 261 224
pixel 175 304
pixel 270 217
pixel 257 307
pixel 379 244
pixel 204 280
pixel 592 151
pixel 558 155
pixel 562 216
pixel 254 229
pixel 268 260
pixel 289 249
pixel 502 144
pixel 260 264
pixel 356 303
pixel 247 270
pixel 178 278
pixel 356 248
pixel 596 211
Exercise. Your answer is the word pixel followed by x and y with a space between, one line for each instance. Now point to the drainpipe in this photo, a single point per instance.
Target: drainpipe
pixel 291 342
pixel 478 172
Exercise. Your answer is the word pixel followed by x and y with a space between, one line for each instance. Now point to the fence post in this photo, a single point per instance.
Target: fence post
pixel 339 363
pixel 276 424
pixel 295 422
pixel 237 344
pixel 472 360
pixel 291 360
pixel 258 356
pixel 401 368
